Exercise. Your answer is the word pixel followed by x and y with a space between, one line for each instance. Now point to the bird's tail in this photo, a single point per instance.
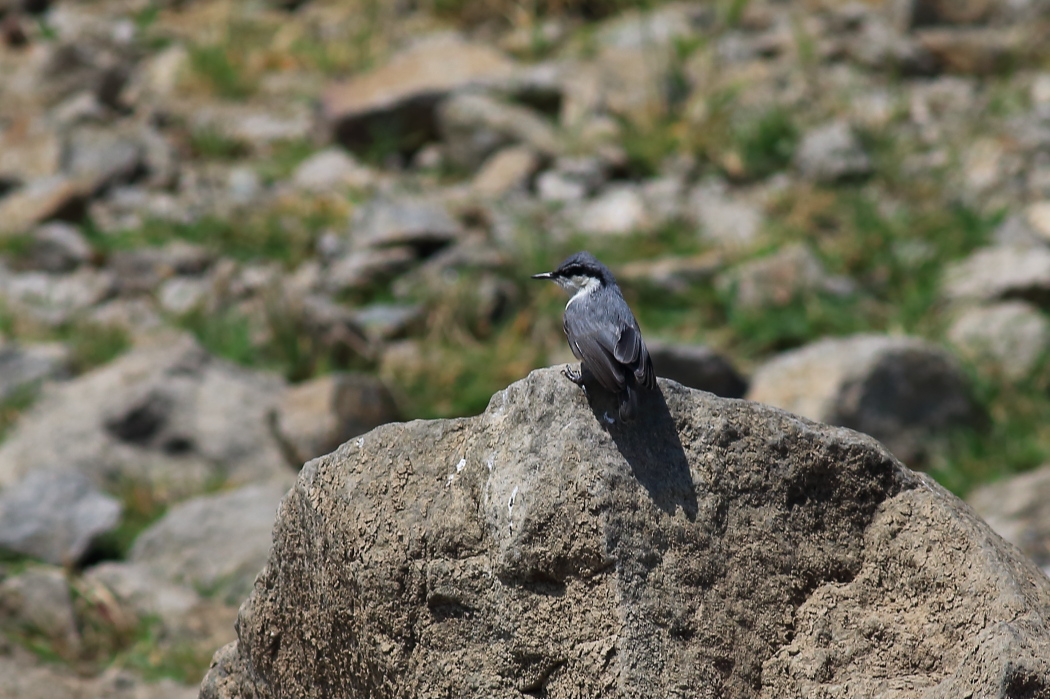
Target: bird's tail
pixel 628 404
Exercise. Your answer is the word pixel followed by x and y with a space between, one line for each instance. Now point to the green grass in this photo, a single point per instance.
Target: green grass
pixel 267 235
pixel 211 144
pixel 220 68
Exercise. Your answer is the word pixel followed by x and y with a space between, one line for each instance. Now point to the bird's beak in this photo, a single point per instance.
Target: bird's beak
pixel 545 275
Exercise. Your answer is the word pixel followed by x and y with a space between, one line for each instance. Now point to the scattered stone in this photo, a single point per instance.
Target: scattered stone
pixel 181 295
pixel 474 126
pixel 1018 509
pixel 980 51
pixel 832 153
pixel 367 269
pixel 23 368
pixel 389 321
pixel 29 151
pixel 724 219
pixel 317 416
pixel 903 391
pixel 397 101
pixel 507 170
pixel 164 414
pixel 1038 217
pixel 144 269
pixel 420 223
pixel 137 316
pixel 54 516
pixel 43 199
pixel 1000 273
pixel 215 543
pixel 789 274
pixel 55 299
pixel 618 210
pixel 698 367
pixel 147 595
pixel 571 179
pixel 464 569
pixel 674 274
pixel 37 601
pixel 909 14
pixel 254 127
pixel 58 247
pixel 100 157
pixel 332 170
pixel 1013 337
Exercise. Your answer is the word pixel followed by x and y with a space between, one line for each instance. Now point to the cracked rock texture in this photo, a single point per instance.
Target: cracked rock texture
pixel 714 548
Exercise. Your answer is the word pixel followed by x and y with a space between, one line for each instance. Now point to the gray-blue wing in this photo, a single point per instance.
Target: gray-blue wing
pixel 631 352
pixel 593 344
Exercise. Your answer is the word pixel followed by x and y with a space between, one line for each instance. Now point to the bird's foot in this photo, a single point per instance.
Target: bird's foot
pixel 575 376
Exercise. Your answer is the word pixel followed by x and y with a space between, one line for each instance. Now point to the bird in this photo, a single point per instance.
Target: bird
pixel 603 332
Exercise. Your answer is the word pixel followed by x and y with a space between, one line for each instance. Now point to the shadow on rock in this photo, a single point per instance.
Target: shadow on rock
pixel 651 446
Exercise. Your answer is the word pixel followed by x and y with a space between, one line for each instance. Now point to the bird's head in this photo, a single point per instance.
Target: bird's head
pixel 578 272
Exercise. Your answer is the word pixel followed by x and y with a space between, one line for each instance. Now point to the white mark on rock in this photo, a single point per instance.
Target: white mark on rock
pixel 360 442
pixel 452 476
pixel 490 462
pixel 608 419
pixel 510 506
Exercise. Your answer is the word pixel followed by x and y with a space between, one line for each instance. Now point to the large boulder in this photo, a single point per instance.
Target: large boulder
pixel 166 414
pixel 713 548
pixel 903 391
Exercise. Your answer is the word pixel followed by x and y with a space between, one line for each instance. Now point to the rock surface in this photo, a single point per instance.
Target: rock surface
pixel 537 550
pixel 1011 337
pixel 903 391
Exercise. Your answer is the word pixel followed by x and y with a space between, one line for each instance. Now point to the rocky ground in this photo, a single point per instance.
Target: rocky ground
pixel 236 234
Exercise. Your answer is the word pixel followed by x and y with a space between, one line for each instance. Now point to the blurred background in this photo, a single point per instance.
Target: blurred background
pixel 234 235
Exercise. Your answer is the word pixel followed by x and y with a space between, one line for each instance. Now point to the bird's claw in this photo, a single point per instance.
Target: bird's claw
pixel 575 376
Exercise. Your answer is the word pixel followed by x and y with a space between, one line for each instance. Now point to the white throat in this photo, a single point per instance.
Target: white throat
pixel 583 286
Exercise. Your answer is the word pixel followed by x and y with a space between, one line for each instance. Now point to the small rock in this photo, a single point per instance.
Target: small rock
pixel 900 390
pixel 832 153
pixel 331 170
pixel 724 219
pixel 55 299
pixel 180 295
pixel 23 368
pixel 909 14
pixel 674 274
pixel 571 179
pixel 54 516
pixel 1018 509
pixel 101 157
pixel 981 51
pixel 787 275
pixel 216 543
pixel 43 199
pixel 367 269
pixel 143 269
pixel 1038 217
pixel 243 185
pixel 256 128
pixel 619 210
pixel 999 273
pixel 148 595
pixel 388 321
pixel 58 247
pixel 420 223
pixel 37 601
pixel 138 315
pixel 29 151
pixel 474 126
pixel 398 99
pixel 317 416
pixel 697 366
pixel 1012 336
pixel 507 170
